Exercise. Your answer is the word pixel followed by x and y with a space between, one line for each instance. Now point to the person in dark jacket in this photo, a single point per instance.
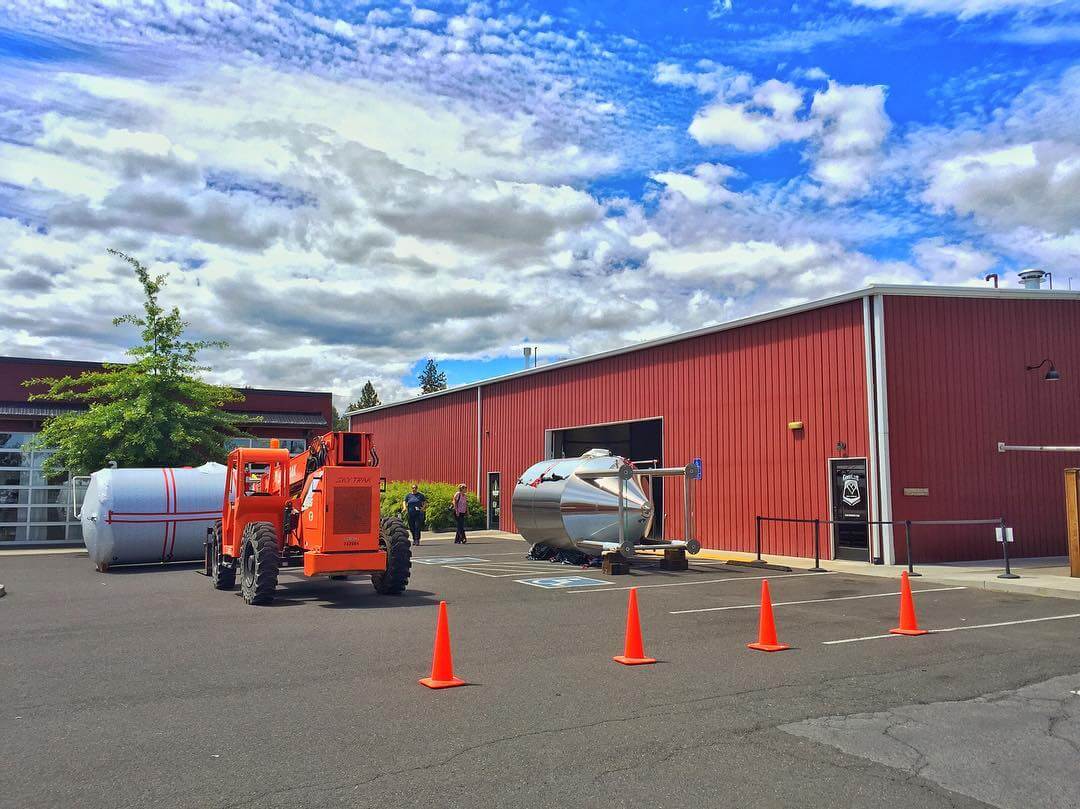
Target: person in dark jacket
pixel 414 505
pixel 460 507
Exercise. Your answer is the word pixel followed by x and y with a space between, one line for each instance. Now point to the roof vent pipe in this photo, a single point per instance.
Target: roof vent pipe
pixel 994 276
pixel 1033 279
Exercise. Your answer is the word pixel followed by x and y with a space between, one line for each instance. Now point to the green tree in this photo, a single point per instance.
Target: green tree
pixel 368 398
pixel 152 411
pixel 432 379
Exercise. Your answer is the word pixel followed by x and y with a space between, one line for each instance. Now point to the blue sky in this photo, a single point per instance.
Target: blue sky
pixel 343 189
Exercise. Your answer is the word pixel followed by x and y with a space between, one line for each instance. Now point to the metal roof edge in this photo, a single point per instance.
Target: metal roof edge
pixel 920 290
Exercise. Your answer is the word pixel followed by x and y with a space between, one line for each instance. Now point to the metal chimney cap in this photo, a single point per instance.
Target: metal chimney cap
pixel 1032 274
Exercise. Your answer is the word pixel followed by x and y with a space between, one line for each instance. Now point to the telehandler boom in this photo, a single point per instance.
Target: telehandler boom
pixel 319 509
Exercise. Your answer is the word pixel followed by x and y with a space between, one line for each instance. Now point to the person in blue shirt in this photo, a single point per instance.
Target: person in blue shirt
pixel 414 505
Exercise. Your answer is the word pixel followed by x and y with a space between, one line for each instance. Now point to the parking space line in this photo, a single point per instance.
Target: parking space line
pixel 708 581
pixel 813 600
pixel 469 570
pixel 507 568
pixel 959 628
pixel 498 573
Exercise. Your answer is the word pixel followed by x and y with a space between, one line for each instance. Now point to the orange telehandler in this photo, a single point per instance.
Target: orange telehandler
pixel 319 509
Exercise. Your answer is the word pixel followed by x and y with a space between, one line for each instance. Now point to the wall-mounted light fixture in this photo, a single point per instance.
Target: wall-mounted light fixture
pixel 840 447
pixel 1052 375
pixel 794 425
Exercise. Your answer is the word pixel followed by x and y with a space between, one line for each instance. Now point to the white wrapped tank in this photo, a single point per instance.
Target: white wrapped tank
pixel 139 516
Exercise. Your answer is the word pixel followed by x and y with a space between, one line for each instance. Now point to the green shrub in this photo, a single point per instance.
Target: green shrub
pixel 440 497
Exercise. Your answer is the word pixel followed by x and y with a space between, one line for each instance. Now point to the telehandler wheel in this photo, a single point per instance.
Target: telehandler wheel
pixel 222 576
pixel 394 539
pixel 259 563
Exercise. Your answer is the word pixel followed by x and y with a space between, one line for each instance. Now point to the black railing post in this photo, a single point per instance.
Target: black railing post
pixel 1008 574
pixel 817 568
pixel 907 540
pixel 757 536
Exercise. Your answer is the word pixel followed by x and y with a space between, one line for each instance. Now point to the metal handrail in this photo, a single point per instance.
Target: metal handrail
pixel 817 523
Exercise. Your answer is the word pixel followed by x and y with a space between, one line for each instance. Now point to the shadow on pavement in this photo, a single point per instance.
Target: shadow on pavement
pixel 353 594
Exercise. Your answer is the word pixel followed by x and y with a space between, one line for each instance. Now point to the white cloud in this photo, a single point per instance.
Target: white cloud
pixel 424 16
pixel 853 128
pixel 844 127
pixel 705 185
pixel 754 124
pixel 1015 179
pixel 709 78
pixel 963 9
pixel 719 8
pixel 952 263
pixel 1034 184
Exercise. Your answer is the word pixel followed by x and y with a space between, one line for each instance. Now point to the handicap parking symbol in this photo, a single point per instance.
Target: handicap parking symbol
pixel 562 582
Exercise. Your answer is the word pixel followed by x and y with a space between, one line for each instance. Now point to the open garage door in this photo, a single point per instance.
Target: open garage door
pixel 640 441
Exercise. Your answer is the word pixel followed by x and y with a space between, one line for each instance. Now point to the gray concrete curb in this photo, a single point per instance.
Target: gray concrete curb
pixel 1018 587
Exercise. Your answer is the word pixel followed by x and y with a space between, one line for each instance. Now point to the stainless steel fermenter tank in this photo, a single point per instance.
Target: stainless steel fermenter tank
pixel 573 503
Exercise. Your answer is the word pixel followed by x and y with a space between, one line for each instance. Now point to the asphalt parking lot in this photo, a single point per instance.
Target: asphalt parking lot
pixel 145 688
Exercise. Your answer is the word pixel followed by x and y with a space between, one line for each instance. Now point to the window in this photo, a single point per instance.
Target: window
pixel 34 507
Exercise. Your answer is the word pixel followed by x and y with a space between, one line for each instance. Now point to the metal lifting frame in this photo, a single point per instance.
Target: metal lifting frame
pixel 626 471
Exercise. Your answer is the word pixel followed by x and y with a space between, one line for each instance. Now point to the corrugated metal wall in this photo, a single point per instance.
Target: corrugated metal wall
pixel 957 386
pixel 726 398
pixel 430 439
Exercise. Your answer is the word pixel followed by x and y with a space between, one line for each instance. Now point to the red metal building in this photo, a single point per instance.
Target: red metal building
pixel 902 394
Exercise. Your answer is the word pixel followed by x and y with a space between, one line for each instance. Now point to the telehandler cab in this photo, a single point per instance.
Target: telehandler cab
pixel 319 509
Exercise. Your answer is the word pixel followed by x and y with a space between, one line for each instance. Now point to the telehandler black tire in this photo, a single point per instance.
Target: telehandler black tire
pixel 395 540
pixel 222 576
pixel 259 562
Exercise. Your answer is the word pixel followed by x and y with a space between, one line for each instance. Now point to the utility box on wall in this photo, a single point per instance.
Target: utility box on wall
pixel 1072 519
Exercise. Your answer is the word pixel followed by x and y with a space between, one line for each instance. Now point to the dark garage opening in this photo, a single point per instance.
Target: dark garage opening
pixel 640 441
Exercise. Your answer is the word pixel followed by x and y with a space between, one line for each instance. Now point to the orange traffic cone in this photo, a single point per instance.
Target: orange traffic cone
pixel 908 623
pixel 633 652
pixel 442 663
pixel 766 636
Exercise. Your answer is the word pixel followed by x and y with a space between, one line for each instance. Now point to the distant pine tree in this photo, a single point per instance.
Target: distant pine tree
pixel 368 397
pixel 432 379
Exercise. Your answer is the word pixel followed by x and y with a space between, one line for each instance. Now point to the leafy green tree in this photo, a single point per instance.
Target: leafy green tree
pixel 432 379
pixel 152 411
pixel 368 398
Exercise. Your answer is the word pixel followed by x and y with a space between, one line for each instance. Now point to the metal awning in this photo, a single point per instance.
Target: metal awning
pixel 288 419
